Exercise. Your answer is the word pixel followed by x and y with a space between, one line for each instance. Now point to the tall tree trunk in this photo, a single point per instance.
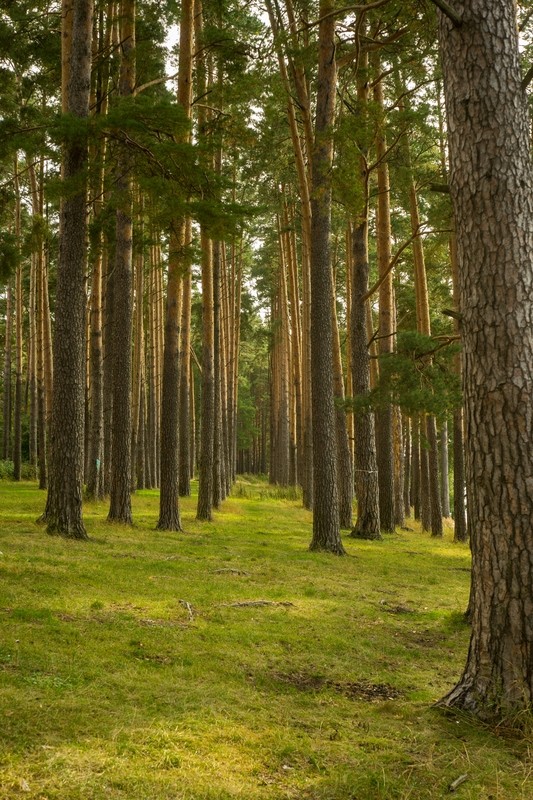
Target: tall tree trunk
pixel 304 182
pixel 184 485
pixel 8 350
pixel 120 491
pixel 17 420
pixel 365 465
pixel 444 469
pixel 491 185
pixel 95 456
pixel 205 474
pixel 63 513
pixel 169 510
pixel 326 533
pixel 344 457
pixel 384 416
pixel 430 491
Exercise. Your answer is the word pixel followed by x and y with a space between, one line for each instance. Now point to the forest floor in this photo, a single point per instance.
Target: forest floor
pixel 230 662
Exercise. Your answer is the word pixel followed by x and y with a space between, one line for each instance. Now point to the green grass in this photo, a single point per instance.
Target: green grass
pixel 127 672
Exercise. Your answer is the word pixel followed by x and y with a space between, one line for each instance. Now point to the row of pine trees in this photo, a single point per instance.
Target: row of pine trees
pixel 149 258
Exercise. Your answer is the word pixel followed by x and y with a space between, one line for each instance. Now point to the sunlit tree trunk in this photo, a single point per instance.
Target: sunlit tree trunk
pixel 430 491
pixel 491 186
pixel 63 513
pixel 120 490
pixel 95 456
pixel 384 416
pixel 17 417
pixel 8 350
pixel 326 533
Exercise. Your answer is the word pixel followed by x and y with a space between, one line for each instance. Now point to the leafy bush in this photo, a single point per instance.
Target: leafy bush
pixel 28 472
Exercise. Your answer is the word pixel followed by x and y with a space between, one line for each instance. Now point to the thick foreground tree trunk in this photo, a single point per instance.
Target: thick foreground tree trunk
pixel 491 187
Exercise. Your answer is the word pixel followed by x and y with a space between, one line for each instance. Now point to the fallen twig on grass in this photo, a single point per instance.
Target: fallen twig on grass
pixel 190 610
pixel 252 603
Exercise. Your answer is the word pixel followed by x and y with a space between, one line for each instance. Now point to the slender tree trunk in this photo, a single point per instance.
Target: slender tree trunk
pixel 429 485
pixel 326 533
pixel 344 457
pixel 120 492
pixel 63 512
pixel 407 467
pixel 218 443
pixel 169 510
pixel 366 470
pixel 7 406
pixel 205 474
pixel 17 426
pixel 384 416
pixel 444 469
pixel 185 382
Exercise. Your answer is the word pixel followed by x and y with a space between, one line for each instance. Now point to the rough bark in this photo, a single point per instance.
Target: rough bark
pixel 384 416
pixel 444 469
pixel 326 533
pixel 8 350
pixel 120 489
pixel 17 418
pixel 365 464
pixel 491 186
pixel 169 510
pixel 63 513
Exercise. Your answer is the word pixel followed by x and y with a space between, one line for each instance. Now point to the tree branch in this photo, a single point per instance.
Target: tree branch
pixel 346 10
pixel 448 11
pixel 144 86
pixel 389 269
pixel 528 77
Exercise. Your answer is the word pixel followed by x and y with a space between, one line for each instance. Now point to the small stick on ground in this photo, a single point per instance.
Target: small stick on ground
pixel 254 603
pixel 190 610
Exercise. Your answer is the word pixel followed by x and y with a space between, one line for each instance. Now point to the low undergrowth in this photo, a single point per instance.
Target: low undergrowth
pixel 230 662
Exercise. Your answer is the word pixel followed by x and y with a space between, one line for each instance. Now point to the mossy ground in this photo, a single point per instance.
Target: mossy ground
pixel 128 671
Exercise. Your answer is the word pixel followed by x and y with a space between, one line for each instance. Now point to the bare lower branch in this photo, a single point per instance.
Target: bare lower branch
pixel 449 12
pixel 528 77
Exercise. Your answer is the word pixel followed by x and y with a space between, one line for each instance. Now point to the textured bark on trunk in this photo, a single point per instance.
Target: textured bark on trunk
pixel 344 456
pixel 444 468
pixel 205 472
pixel 120 489
pixel 218 444
pixel 384 416
pixel 407 467
pixel 491 185
pixel 303 170
pixel 365 464
pixel 99 102
pixel 326 533
pixel 17 418
pixel 184 483
pixel 7 405
pixel 63 513
pixel 169 510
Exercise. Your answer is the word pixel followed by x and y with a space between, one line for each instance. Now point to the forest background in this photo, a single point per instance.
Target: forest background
pixel 215 310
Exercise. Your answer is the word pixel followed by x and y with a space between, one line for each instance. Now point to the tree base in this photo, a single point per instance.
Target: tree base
pixel 369 536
